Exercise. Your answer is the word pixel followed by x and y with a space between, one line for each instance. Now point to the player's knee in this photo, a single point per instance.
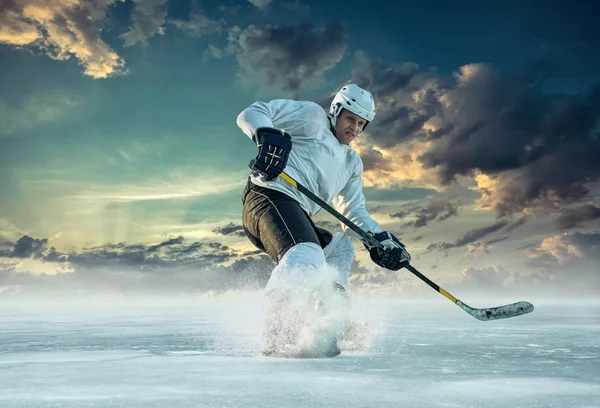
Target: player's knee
pixel 304 254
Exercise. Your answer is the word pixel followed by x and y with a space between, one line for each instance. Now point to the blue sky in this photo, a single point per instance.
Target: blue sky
pixel 119 150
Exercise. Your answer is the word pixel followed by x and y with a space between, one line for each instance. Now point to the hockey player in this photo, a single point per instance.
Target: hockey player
pixel 313 148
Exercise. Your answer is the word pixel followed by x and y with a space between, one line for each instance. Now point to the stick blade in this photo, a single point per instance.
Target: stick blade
pixel 500 312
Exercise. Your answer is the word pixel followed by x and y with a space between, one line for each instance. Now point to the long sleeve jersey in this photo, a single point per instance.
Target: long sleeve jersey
pixel 328 168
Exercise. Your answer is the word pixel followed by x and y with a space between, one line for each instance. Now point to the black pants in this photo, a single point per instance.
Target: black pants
pixel 274 222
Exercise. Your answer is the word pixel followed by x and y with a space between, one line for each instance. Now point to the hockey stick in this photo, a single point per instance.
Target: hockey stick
pixel 492 313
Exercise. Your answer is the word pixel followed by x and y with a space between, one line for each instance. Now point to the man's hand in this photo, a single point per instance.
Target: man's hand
pixel 274 146
pixel 393 255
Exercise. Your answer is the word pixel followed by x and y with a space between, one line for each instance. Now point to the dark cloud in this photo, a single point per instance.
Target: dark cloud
pixel 256 252
pixel 261 4
pixel 199 24
pixel 401 214
pixel 26 247
pixel 54 256
pixel 187 249
pixel 496 240
pixel 148 18
pixel 440 210
pixel 169 242
pixel 522 220
pixel 470 237
pixel 249 273
pixel 171 267
pixel 373 159
pixel 230 229
pixel 288 57
pixel 171 253
pixel 573 217
pixel 399 116
pixel 171 270
pixel 541 150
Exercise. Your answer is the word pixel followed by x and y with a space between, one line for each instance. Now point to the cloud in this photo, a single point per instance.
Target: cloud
pixel 440 209
pixel 289 57
pixel 470 237
pixel 573 217
pixel 172 252
pixel 62 29
pixel 489 277
pixel 89 213
pixel 172 241
pixel 569 247
pixel 244 274
pixel 27 246
pixel 526 150
pixel 519 222
pixel 261 4
pixel 148 19
pixel 200 24
pixel 373 159
pixel 570 260
pixel 406 98
pixel 24 247
pixel 389 168
pixel 173 266
pixel 232 47
pixel 477 249
pixel 497 280
pixel 230 229
pixel 178 267
pixel 35 110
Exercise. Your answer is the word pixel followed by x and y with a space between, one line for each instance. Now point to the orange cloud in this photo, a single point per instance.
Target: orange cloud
pixel 396 166
pixel 62 29
pixel 505 193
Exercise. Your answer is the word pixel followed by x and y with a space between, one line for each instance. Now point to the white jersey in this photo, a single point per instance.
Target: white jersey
pixel 318 161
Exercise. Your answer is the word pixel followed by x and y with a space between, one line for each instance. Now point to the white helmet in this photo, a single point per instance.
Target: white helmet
pixel 354 99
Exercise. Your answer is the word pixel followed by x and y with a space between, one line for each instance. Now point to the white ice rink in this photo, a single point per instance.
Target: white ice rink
pixel 206 354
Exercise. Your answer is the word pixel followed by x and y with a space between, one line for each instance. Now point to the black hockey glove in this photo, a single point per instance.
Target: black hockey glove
pixel 274 147
pixel 393 256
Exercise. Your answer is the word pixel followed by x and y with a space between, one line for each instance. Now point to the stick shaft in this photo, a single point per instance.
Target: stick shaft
pixel 366 236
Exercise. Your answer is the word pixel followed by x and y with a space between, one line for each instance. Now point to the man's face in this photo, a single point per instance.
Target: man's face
pixel 347 126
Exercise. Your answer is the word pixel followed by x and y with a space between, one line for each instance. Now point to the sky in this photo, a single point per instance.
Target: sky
pixel 121 164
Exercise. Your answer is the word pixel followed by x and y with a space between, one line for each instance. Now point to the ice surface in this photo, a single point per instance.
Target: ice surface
pixel 207 354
